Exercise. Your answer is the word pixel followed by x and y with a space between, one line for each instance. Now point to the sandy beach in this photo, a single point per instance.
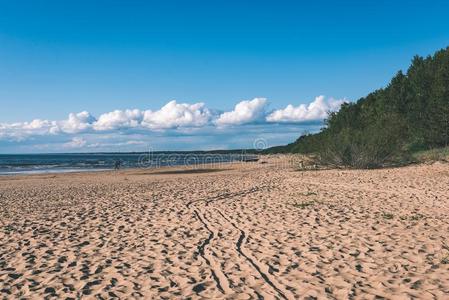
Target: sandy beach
pixel 236 231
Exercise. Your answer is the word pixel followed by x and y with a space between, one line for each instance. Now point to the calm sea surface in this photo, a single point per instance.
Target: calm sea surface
pixel 58 163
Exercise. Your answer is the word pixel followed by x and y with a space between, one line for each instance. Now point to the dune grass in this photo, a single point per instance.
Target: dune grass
pixel 437 154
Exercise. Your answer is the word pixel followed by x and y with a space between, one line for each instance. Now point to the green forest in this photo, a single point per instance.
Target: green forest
pixel 390 124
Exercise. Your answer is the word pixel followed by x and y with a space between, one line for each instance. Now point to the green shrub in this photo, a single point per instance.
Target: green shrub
pixel 377 145
pixel 410 114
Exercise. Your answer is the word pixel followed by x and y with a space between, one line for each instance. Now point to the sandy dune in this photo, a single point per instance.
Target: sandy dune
pixel 245 231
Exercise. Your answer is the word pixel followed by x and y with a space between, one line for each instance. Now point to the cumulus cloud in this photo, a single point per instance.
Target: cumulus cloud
pixel 315 111
pixel 185 118
pixel 21 130
pixel 244 112
pixel 77 122
pixel 119 119
pixel 171 115
pixel 174 115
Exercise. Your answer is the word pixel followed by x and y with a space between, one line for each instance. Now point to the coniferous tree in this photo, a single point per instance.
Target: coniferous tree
pixel 411 113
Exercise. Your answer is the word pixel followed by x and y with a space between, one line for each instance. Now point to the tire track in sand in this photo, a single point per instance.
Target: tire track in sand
pixel 220 279
pixel 226 195
pixel 270 280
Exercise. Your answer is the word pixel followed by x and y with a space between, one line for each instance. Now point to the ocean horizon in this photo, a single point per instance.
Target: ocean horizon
pixel 11 164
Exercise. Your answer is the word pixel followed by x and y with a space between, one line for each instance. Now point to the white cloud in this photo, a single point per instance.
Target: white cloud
pixel 182 119
pixel 174 115
pixel 244 112
pixel 37 124
pixel 315 111
pixel 77 122
pixel 75 143
pixel 21 130
pixel 119 119
pixel 171 115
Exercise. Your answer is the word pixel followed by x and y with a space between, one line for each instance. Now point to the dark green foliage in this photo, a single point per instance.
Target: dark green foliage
pixel 367 147
pixel 410 114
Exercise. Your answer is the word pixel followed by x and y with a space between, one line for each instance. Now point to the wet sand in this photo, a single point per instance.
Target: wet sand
pixel 239 231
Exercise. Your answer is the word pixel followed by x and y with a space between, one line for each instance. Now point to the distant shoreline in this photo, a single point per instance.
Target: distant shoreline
pixel 35 164
pixel 232 151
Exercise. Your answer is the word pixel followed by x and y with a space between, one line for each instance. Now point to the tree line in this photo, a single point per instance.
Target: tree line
pixel 410 114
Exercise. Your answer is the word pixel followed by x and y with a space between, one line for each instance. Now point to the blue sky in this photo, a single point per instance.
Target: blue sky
pixel 58 58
